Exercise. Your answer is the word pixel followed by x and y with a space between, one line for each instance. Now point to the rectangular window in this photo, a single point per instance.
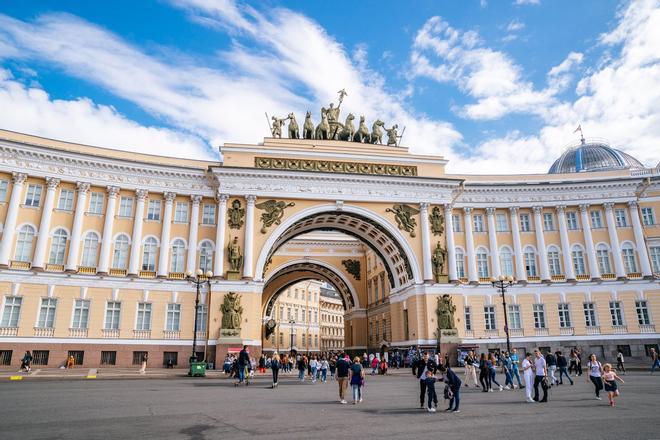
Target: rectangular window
pixel 173 317
pixel 621 219
pixel 655 258
pixel 181 212
pixel 596 220
pixel 564 315
pixel 539 315
pixel 456 222
pixel 112 312
pixel 96 203
pixel 170 358
pixel 3 190
pixel 514 316
pixel 108 357
pixel 489 317
pixel 572 220
pixel 126 207
pixel 5 357
pixel 11 311
pixel 460 265
pixel 406 326
pixel 202 316
pixel 525 224
pixel 288 313
pixel 478 221
pixel 80 314
pixel 642 312
pixel 47 313
pixel 281 338
pixel 65 202
pixel 40 357
pixel 548 222
pixel 33 197
pixel 648 218
pixel 616 313
pixel 208 214
pixel 501 223
pixel 138 356
pixel 153 211
pixel 143 317
pixel 590 315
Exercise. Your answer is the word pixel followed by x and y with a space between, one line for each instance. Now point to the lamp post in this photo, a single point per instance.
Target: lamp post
pixel 501 284
pixel 198 280
pixel 291 321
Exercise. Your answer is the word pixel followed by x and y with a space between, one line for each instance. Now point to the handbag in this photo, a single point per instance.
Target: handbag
pixel 448 393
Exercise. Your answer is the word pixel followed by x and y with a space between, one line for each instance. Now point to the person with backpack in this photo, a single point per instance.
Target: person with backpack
pixel 275 366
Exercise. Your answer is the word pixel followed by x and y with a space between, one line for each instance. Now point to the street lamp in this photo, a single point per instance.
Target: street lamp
pixel 291 321
pixel 198 280
pixel 501 284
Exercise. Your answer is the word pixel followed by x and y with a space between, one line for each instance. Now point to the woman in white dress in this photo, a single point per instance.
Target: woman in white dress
pixel 528 373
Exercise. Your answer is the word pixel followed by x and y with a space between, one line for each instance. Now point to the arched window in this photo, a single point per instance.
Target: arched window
pixel 629 261
pixel 149 254
pixel 90 250
pixel 460 263
pixel 603 257
pixel 178 256
pixel 578 260
pixel 206 256
pixel 24 244
pixel 482 263
pixel 530 261
pixel 554 263
pixel 506 261
pixel 120 255
pixel 58 247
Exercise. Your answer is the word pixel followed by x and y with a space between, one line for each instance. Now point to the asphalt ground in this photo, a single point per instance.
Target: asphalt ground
pixel 213 408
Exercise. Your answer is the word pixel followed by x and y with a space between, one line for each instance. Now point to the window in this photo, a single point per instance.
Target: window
pixel 514 316
pixel 181 212
pixel 281 338
pixel 90 250
pixel 58 247
pixel 590 315
pixel 478 221
pixel 153 211
pixel 596 220
pixel 138 356
pixel 554 264
pixel 468 318
pixel 603 258
pixel 3 190
pixel 501 224
pixel 47 313
pixel 96 203
pixel 173 317
pixel 506 261
pixel 143 321
pixel 33 197
pixel 281 314
pixel 456 222
pixel 624 349
pixel 616 313
pixel 629 258
pixel 170 358
pixel 112 312
pixel 178 251
pixel 11 312
pixel 530 261
pixel 642 312
pixel 288 313
pixel 202 316
pixel 24 244
pixel 525 225
pixel 539 315
pixel 460 264
pixel 564 315
pixel 206 256
pixel 572 220
pixel 5 357
pixel 489 317
pixel 647 216
pixel 482 263
pixel 120 255
pixel 80 314
pixel 578 261
pixel 621 219
pixel 655 258
pixel 40 357
pixel 78 356
pixel 65 202
pixel 149 254
pixel 208 214
pixel 108 357
pixel 548 222
pixel 126 207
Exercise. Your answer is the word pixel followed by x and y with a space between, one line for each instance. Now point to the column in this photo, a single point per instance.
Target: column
pixel 589 242
pixel 191 265
pixel 164 255
pixel 540 243
pixel 451 246
pixel 426 241
pixel 44 225
pixel 9 230
pixel 619 268
pixel 521 274
pixel 108 227
pixel 249 232
pixel 219 262
pixel 565 244
pixel 639 240
pixel 136 240
pixel 469 244
pixel 492 243
pixel 76 230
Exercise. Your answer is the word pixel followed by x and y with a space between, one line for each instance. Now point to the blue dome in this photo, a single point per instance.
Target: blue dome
pixel 593 156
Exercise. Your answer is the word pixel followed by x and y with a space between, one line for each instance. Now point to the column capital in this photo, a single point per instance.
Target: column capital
pixel 560 209
pixel 490 211
pixel 633 204
pixel 83 187
pixel 467 210
pixel 113 191
pixel 141 194
pixel 448 207
pixel 513 210
pixel 584 207
pixel 221 197
pixel 196 199
pixel 608 206
pixel 169 196
pixel 537 209
pixel 52 182
pixel 251 199
pixel 424 206
pixel 18 178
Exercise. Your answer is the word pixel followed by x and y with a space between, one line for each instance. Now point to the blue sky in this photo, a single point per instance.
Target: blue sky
pixel 494 86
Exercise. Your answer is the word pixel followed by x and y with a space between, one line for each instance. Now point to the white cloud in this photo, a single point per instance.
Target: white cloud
pixel 515 26
pixel 527 2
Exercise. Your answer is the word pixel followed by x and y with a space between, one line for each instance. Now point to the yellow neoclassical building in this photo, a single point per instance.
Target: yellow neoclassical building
pixel 96 244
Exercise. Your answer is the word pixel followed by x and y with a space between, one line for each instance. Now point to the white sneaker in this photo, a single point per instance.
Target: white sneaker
pixel 343 402
pixel 515 387
pixel 490 390
pixel 501 388
pixel 530 400
pixel 431 409
pixel 598 398
pixel 507 387
pixel 360 399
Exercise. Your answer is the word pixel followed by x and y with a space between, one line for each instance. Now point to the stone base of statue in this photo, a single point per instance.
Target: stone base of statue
pixel 449 336
pixel 441 279
pixel 233 275
pixel 230 337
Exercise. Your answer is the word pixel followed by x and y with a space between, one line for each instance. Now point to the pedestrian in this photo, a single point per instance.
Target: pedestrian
pixel 484 374
pixel 551 362
pixel 452 380
pixel 300 364
pixel 333 366
pixel 26 362
pixel 143 368
pixel 70 362
pixel 572 362
pixel 374 365
pixel 357 380
pixel 324 369
pixel 595 374
pixel 562 366
pixel 243 364
pixel 610 378
pixel 528 373
pixel 262 364
pixel 382 368
pixel 275 365
pixel 470 370
pixel 515 361
pixel 432 397
pixel 506 367
pixel 578 365
pixel 226 366
pixel 314 365
pixel 343 368
pixel 620 362
pixel 492 369
pixel 655 360
pixel 540 376
pixel 421 367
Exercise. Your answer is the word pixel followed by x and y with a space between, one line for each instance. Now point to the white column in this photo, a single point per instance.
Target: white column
pixel 108 227
pixel 589 242
pixel 619 268
pixel 642 253
pixel 191 265
pixel 451 246
pixel 521 274
pixel 565 244
pixel 136 240
pixel 492 243
pixel 164 255
pixel 426 241
pixel 219 263
pixel 76 230
pixel 249 236
pixel 540 243
pixel 469 244
pixel 44 225
pixel 18 182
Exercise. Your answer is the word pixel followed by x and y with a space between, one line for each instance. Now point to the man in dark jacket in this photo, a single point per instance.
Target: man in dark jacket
pixel 551 362
pixel 419 369
pixel 243 362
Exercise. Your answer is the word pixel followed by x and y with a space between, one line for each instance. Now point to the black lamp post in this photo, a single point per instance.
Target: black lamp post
pixel 198 280
pixel 291 321
pixel 501 284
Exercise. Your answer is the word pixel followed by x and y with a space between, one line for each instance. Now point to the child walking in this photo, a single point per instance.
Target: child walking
pixel 610 378
pixel 432 397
